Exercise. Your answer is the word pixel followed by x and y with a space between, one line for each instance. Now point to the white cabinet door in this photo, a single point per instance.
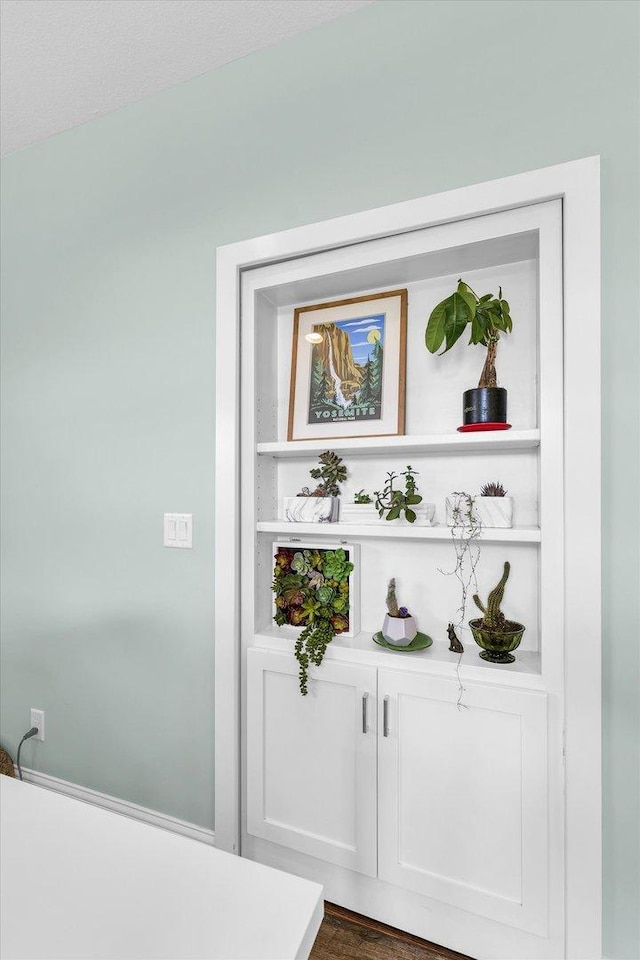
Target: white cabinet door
pixel 463 804
pixel 311 761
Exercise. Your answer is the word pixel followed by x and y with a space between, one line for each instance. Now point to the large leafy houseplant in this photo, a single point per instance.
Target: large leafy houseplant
pixel 311 590
pixel 487 317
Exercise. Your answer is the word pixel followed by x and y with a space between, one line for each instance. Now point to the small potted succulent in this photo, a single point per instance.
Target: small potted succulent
pixel 493 632
pixel 360 510
pixel 493 508
pixel 399 627
pixel 403 506
pixel 322 504
pixel 484 407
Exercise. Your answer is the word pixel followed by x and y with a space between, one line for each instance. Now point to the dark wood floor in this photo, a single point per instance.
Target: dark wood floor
pixel 348 936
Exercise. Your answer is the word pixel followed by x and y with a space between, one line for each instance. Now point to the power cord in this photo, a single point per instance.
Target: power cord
pixel 27 736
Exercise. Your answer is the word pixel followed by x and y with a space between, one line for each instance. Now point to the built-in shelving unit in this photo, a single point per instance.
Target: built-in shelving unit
pixel 438 656
pixel 436 791
pixel 483 442
pixel 390 531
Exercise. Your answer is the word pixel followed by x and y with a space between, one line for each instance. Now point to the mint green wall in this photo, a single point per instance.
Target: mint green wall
pixel 109 242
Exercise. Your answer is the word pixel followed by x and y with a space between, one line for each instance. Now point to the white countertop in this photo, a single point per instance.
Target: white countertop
pixel 78 881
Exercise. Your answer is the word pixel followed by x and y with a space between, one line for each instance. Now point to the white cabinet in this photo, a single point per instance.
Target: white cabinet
pixel 463 796
pixel 446 799
pixel 311 761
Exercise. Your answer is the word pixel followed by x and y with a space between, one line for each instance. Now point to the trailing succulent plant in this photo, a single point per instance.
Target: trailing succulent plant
pixel 493 618
pixel 362 497
pixel 331 472
pixel 488 316
pixel 493 490
pixel 391 503
pixel 311 590
pixel 392 602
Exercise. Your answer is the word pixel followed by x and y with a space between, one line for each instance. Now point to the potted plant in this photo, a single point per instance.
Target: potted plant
pixel 485 406
pixel 322 504
pixel 403 506
pixel 313 591
pixel 493 632
pixel 399 627
pixel 493 508
pixel 360 510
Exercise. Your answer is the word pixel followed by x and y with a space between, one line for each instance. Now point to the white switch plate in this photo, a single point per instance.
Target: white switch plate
pixel 37 720
pixel 178 530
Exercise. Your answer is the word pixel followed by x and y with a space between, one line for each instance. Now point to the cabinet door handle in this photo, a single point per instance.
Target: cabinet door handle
pixel 385 717
pixel 365 725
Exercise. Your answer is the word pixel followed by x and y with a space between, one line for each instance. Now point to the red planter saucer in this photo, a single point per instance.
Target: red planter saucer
pixel 472 427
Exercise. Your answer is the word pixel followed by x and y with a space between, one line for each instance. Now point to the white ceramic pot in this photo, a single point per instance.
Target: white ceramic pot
pixel 311 509
pixel 494 511
pixel 367 513
pixel 425 512
pixel 490 512
pixel 358 513
pixel 399 631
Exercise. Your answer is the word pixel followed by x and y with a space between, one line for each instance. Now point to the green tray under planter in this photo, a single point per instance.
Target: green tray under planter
pixel 420 642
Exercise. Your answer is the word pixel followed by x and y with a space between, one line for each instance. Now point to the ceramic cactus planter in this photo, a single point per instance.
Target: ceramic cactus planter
pixel 399 631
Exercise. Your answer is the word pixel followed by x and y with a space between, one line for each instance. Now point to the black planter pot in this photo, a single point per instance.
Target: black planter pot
pixel 484 405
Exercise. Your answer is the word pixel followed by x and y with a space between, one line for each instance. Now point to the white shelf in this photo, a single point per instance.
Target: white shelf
pixel 500 440
pixel 388 531
pixel 436 659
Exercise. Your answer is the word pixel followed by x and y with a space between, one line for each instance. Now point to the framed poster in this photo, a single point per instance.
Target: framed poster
pixel 348 364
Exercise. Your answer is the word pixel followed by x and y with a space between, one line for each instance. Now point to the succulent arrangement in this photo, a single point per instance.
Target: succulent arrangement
pixel 488 316
pixel 331 473
pixel 493 490
pixel 311 590
pixel 497 635
pixel 391 503
pixel 362 497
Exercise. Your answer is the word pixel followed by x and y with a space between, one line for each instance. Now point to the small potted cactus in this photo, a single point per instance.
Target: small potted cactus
pixel 322 504
pixel 493 632
pixel 399 628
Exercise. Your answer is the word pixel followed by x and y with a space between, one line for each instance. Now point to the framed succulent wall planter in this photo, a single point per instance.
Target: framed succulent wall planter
pixel 315 589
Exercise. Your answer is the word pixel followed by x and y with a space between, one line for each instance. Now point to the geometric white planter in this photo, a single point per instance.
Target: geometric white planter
pixel 311 509
pixel 489 512
pixel 399 631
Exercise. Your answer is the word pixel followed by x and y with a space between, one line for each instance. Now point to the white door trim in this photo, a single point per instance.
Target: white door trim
pixel 577 184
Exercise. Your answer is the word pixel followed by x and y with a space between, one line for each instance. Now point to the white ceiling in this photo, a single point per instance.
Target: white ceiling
pixel 65 62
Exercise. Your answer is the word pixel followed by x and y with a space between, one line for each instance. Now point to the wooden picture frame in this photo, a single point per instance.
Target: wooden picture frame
pixel 351 382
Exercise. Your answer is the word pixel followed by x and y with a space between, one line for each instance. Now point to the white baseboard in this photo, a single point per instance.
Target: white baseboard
pixel 123 807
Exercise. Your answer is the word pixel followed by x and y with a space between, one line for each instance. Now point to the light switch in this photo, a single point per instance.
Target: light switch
pixel 178 530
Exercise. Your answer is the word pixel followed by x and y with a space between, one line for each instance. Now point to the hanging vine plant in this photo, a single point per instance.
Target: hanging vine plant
pixel 311 590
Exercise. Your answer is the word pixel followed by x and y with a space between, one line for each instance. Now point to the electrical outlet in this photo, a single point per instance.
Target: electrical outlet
pixel 37 720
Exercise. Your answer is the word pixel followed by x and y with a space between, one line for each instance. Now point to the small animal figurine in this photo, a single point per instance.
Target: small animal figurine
pixel 454 644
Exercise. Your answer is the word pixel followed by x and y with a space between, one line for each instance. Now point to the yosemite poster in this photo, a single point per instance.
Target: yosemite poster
pixel 347 370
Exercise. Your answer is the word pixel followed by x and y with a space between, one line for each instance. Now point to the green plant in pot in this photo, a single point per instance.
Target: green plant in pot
pixel 488 316
pixel 493 632
pixel 391 503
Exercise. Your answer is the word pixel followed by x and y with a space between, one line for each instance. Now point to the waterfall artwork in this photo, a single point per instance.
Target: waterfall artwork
pixel 347 370
pixel 348 367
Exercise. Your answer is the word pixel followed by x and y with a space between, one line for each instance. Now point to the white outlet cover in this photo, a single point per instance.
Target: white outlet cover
pixel 37 720
pixel 178 530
